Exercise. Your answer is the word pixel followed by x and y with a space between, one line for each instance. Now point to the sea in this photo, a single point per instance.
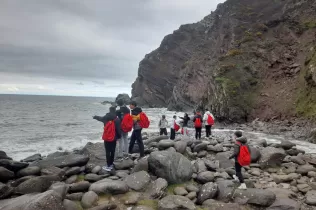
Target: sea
pixel 31 124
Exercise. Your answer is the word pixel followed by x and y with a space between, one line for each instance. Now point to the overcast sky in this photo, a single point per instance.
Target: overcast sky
pixel 84 47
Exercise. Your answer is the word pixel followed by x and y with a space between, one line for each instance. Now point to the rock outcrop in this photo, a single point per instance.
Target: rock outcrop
pixel 247 59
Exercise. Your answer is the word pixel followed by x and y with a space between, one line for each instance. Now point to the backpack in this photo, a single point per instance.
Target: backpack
pixel 144 121
pixel 109 131
pixel 198 123
pixel 176 126
pixel 244 157
pixel 127 123
pixel 210 120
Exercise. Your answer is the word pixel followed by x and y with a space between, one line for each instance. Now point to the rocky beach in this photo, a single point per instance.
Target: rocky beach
pixel 181 174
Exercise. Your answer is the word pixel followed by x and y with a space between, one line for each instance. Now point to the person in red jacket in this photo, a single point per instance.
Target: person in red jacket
pixel 198 119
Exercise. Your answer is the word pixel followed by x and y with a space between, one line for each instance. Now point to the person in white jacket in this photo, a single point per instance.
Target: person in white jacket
pixel 208 119
pixel 174 127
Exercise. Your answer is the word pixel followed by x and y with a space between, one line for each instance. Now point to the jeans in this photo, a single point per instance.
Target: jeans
pixel 123 145
pixel 163 131
pixel 198 132
pixel 110 152
pixel 238 168
pixel 173 134
pixel 137 136
pixel 208 130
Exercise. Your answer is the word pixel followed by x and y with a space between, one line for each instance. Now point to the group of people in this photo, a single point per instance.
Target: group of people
pixel 198 120
pixel 117 124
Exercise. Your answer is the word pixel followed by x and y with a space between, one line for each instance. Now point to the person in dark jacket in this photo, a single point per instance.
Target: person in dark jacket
pixel 121 111
pixel 242 140
pixel 137 130
pixel 198 129
pixel 110 146
pixel 185 120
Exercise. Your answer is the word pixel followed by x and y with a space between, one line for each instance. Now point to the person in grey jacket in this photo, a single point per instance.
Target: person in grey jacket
pixel 137 129
pixel 163 124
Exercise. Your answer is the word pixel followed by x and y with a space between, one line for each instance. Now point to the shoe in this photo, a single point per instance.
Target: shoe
pixel 111 167
pixel 106 168
pixel 242 187
pixel 126 158
pixel 119 159
pixel 236 178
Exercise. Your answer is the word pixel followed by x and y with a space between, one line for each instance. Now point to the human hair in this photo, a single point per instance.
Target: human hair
pixel 112 109
pixel 238 134
pixel 133 103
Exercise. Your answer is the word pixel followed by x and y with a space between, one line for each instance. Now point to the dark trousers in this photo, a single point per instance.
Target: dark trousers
pixel 198 132
pixel 173 134
pixel 208 130
pixel 238 168
pixel 110 152
pixel 137 136
pixel 163 131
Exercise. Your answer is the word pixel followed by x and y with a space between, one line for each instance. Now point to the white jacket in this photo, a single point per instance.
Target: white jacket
pixel 205 117
pixel 172 123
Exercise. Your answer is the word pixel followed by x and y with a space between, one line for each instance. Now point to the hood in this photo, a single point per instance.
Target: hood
pixel 124 110
pixel 110 116
pixel 208 112
pixel 242 140
pixel 136 111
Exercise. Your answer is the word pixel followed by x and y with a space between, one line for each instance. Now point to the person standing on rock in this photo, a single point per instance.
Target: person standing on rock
pixel 137 129
pixel 111 133
pixel 198 124
pixel 208 119
pixel 185 120
pixel 123 113
pixel 240 147
pixel 163 124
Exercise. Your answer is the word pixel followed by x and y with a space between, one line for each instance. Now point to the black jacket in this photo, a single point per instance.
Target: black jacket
pixel 186 120
pixel 109 117
pixel 242 140
pixel 122 111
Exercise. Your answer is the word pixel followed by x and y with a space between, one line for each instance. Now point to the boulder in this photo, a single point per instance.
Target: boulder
pixel 123 97
pixel 70 205
pixel 73 171
pixel 271 157
pixel 3 155
pixel 255 154
pixel 5 191
pixel 96 169
pixel 192 188
pixel 294 152
pixel 70 160
pixel 191 195
pixel 254 196
pixel 111 187
pixel 158 188
pixel 208 191
pixel 304 188
pixel 180 191
pixel 205 177
pixel 5 174
pixel 92 177
pixel 223 158
pixel 261 143
pixel 211 165
pixel 285 178
pixel 312 136
pixel 89 199
pixel 142 165
pixel 132 198
pixel 180 146
pixel 29 171
pixel 71 179
pixel 285 204
pixel 125 164
pixel 12 165
pixel 36 184
pixel 225 190
pixel 75 196
pixel 32 158
pixel 211 204
pixel 105 206
pixel 200 147
pixel 285 144
pixel 175 202
pixel 298 160
pixel 82 186
pixel 165 144
pixel 138 181
pixel 311 198
pixel 199 166
pixel 48 200
pixel 304 169
pixel 54 171
pixel 172 166
pixel 216 148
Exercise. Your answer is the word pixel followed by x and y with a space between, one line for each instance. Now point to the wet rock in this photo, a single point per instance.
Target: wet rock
pixel 89 199
pixel 142 165
pixel 208 191
pixel 53 171
pixel 304 169
pixel 158 187
pixel 82 186
pixel 285 144
pixel 29 171
pixel 70 160
pixel 3 155
pixel 192 188
pixel 75 196
pixel 294 152
pixel 180 146
pixel 180 191
pixel 255 196
pixel 165 144
pixel 32 158
pixel 284 204
pixel 73 171
pixel 200 147
pixel 205 177
pixel 223 159
pixel 36 184
pixel 138 181
pixel 5 174
pixel 271 157
pixel 70 205
pixel 172 166
pixel 48 200
pixel 304 188
pixel 60 188
pixel 12 165
pixel 125 164
pixel 92 178
pixel 5 191
pixel 111 187
pixel 311 198
pixel 175 202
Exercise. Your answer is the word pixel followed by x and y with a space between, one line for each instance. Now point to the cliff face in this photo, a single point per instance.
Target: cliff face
pixel 248 59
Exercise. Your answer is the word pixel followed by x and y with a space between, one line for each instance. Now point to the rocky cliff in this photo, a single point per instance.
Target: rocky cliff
pixel 248 59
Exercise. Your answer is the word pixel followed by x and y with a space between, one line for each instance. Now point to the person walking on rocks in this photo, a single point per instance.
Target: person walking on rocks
pixel 163 124
pixel 111 133
pixel 140 121
pixel 242 157
pixel 198 124
pixel 185 120
pixel 208 119
pixel 174 127
pixel 123 113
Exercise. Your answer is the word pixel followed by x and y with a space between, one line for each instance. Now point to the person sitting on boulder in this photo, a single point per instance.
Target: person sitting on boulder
pixel 163 124
pixel 242 157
